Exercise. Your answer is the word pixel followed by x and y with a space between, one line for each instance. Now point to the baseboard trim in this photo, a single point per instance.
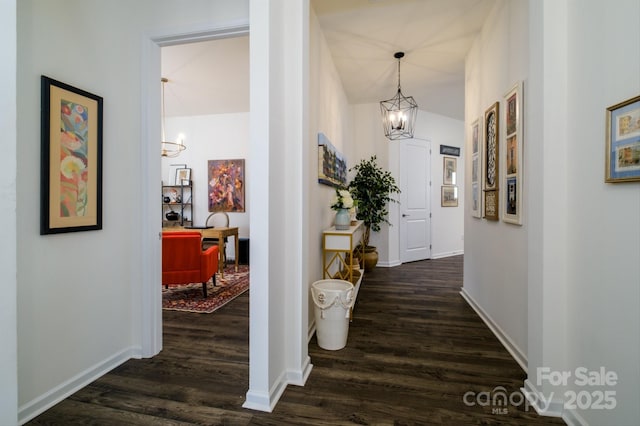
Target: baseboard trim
pixel 299 377
pixel 312 330
pixel 506 341
pixel 447 254
pixel 552 407
pixel 266 401
pixel 389 264
pixel 41 404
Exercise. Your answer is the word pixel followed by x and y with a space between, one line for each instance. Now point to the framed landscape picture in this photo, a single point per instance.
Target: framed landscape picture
pixel 71 159
pixel 623 142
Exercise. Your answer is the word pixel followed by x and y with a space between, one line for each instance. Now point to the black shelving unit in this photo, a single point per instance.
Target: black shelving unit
pixel 178 199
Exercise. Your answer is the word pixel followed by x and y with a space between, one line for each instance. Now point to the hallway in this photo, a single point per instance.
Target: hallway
pixel 417 354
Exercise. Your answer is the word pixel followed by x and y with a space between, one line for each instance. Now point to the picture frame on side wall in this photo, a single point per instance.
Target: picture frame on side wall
pixel 449 170
pixel 476 169
pixel 449 196
pixel 513 155
pixel 491 162
pixel 71 158
pixel 623 142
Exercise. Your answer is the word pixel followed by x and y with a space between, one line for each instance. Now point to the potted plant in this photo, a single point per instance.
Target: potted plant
pixel 372 187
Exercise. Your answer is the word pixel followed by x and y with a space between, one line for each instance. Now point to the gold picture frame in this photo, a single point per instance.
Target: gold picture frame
pixel 622 160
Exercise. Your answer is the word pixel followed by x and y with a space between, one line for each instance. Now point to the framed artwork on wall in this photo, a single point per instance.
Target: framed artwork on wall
pixel 513 155
pixel 449 170
pixel 71 159
pixel 449 196
pixel 183 176
pixel 226 185
pixel 491 161
pixel 332 166
pixel 476 169
pixel 623 142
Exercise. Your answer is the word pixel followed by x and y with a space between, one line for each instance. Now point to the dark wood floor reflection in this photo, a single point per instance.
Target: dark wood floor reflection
pixel 417 354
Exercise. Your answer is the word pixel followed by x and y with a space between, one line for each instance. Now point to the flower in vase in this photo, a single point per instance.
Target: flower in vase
pixel 342 200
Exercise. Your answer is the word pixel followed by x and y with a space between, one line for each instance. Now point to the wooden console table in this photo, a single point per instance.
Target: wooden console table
pixel 220 233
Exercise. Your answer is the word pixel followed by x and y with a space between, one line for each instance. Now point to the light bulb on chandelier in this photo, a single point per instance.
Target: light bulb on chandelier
pixel 399 113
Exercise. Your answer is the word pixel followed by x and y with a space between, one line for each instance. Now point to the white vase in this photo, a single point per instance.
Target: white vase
pixel 342 221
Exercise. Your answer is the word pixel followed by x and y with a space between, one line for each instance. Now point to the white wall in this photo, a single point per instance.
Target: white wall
pixel 562 290
pixel 329 113
pixel 211 137
pixel 495 263
pixel 77 310
pixel 603 220
pixel 8 235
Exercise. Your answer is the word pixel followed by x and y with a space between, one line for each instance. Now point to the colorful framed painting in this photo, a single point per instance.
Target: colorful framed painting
pixel 71 159
pixel 476 169
pixel 449 165
pixel 332 166
pixel 513 156
pixel 623 142
pixel 449 196
pixel 226 185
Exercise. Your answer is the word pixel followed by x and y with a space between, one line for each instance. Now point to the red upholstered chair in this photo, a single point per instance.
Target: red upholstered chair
pixel 184 261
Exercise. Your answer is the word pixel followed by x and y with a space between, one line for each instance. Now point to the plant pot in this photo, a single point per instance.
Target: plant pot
pixel 369 258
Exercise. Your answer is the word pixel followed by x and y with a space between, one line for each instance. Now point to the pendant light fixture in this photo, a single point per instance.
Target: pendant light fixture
pixel 169 149
pixel 399 113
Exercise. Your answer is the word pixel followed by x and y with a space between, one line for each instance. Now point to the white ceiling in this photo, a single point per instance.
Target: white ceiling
pixel 210 77
pixel 213 77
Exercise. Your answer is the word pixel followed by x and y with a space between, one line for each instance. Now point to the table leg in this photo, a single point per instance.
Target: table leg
pixel 237 250
pixel 221 257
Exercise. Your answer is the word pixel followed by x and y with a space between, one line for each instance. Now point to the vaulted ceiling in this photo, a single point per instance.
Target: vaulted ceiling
pixel 363 35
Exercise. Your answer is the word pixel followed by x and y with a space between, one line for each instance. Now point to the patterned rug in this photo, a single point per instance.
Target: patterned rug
pixel 188 297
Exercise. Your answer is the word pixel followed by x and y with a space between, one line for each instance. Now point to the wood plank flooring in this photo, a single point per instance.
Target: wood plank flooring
pixel 415 348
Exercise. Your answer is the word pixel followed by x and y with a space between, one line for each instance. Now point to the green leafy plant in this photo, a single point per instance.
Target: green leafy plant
pixel 372 187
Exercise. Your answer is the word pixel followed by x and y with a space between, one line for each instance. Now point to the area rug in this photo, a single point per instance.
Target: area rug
pixel 188 297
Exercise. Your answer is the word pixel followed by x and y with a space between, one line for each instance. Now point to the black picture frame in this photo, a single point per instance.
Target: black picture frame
pixel 71 158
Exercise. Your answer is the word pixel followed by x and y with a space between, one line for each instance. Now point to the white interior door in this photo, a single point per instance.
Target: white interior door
pixel 415 205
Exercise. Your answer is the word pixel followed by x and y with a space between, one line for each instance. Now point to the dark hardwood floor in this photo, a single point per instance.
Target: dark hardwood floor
pixel 415 350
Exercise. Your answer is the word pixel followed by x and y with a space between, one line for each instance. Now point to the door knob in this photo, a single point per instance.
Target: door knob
pixel 404 215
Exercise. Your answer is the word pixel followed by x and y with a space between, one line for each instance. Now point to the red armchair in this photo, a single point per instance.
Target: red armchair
pixel 184 261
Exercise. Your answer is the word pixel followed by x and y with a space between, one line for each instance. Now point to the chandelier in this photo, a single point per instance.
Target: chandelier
pixel 167 148
pixel 399 113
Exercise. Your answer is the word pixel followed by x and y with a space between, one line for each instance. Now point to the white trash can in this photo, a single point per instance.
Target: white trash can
pixel 333 300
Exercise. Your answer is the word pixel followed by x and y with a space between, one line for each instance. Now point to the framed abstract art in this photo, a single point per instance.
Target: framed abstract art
pixel 71 159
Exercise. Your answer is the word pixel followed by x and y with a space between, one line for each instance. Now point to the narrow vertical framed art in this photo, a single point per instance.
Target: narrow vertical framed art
pixel 491 162
pixel 512 202
pixel 476 169
pixel 71 159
